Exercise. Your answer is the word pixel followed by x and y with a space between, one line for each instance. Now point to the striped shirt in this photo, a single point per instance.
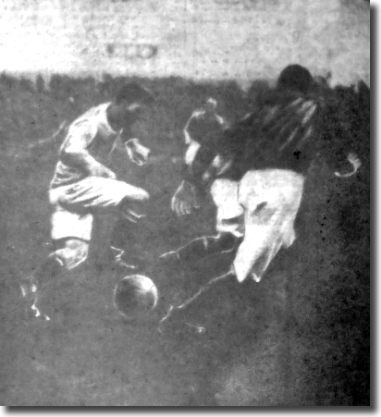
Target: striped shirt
pixel 282 133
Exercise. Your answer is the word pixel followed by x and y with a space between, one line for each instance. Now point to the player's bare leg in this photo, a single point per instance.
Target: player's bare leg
pixel 31 286
pixel 132 220
pixel 122 259
pixel 69 254
pixel 203 247
pixel 194 251
pixel 174 310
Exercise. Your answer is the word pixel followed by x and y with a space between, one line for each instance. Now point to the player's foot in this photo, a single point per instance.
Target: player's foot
pixel 172 327
pixel 28 288
pixel 121 259
pixel 195 328
pixel 174 321
pixel 171 263
pixel 36 313
pixel 126 265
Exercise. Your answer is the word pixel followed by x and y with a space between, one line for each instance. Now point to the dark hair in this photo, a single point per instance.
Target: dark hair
pixel 133 92
pixel 295 77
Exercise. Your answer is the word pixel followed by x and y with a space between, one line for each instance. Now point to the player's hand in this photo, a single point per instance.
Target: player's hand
pixel 137 152
pixel 185 199
pixel 355 162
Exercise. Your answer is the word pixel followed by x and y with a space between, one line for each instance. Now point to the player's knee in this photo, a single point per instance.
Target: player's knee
pixel 72 254
pixel 133 193
pixel 144 196
pixel 134 210
pixel 228 241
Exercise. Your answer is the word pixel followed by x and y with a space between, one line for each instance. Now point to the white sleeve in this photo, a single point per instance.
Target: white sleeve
pixel 79 136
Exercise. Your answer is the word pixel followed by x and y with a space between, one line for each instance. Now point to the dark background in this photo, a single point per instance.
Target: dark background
pixel 300 337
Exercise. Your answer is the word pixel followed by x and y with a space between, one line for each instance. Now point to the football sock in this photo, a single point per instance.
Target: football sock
pixel 207 246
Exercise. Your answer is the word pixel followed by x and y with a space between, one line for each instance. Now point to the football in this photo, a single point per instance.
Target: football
pixel 135 296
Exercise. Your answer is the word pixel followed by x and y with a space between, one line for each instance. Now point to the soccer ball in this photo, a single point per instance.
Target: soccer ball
pixel 135 296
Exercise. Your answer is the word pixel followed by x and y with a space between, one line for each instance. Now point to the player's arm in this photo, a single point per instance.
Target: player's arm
pixel 74 152
pixel 192 188
pixel 355 164
pixel 201 137
pixel 347 162
pixel 216 155
pixel 194 172
pixel 342 160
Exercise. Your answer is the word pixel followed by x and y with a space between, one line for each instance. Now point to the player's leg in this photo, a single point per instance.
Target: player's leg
pixel 172 271
pixel 107 197
pixel 132 217
pixel 68 254
pixel 229 225
pixel 271 200
pixel 203 247
pixel 30 285
pixel 103 194
pixel 126 240
pixel 132 209
pixel 178 311
pixel 71 233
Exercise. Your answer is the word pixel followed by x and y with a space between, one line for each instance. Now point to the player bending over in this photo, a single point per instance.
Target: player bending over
pixel 255 172
pixel 83 184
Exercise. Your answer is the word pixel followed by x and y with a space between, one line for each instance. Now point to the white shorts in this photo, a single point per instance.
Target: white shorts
pixel 75 204
pixel 230 213
pixel 262 208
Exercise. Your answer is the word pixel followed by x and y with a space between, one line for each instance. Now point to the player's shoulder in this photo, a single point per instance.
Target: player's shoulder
pixel 198 114
pixel 92 114
pixel 201 116
pixel 292 103
pixel 88 121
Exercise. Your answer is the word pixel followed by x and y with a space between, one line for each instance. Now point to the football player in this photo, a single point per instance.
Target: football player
pixel 83 184
pixel 255 172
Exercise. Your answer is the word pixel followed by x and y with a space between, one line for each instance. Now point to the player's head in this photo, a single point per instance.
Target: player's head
pixel 129 103
pixel 296 78
pixel 211 105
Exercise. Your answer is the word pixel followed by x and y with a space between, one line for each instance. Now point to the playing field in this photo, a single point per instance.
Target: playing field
pixel 300 337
